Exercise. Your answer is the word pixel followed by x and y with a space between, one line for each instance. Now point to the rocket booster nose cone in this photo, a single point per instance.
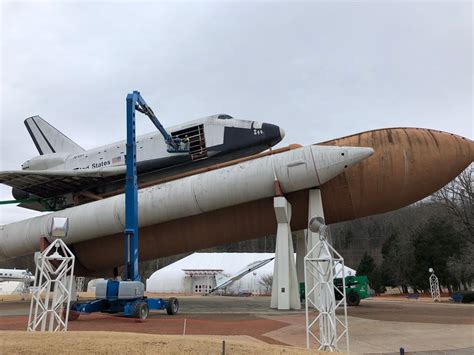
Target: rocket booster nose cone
pixel 357 154
pixel 332 161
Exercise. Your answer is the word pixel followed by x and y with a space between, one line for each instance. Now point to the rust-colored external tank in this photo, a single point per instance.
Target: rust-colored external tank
pixel 408 164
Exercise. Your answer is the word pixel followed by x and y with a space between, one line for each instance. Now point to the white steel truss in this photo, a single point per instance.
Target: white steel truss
pixel 80 283
pixel 324 327
pixel 434 288
pixel 52 289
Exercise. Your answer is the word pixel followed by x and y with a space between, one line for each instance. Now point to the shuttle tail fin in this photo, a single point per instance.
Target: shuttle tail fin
pixel 48 139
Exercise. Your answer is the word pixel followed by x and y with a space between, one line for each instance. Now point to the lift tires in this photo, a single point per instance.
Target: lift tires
pixel 73 315
pixel 173 306
pixel 141 310
pixel 353 299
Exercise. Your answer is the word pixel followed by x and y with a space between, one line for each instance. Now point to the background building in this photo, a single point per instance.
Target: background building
pixel 198 272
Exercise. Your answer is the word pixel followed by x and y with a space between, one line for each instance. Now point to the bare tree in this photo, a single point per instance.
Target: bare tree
pixel 266 281
pixel 458 198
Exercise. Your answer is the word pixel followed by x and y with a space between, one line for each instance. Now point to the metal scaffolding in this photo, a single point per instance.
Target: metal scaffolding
pixel 80 283
pixel 52 289
pixel 434 286
pixel 322 264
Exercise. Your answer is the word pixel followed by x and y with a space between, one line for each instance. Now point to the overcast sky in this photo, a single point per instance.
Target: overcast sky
pixel 320 70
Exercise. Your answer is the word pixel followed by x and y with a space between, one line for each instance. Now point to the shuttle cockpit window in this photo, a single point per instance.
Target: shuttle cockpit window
pixel 224 117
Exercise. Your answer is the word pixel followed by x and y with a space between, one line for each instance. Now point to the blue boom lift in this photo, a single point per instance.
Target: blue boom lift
pixel 128 296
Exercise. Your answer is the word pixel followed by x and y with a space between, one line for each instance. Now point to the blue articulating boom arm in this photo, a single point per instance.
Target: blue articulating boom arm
pixel 128 296
pixel 136 102
pixel 174 145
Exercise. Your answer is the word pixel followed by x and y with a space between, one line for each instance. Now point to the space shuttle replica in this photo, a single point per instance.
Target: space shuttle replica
pixel 64 174
pixel 222 190
pixel 16 275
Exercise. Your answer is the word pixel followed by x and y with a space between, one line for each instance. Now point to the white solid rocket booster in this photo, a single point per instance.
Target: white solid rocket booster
pixel 246 181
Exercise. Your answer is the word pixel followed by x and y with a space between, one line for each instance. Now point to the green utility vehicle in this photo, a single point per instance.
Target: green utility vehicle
pixel 357 288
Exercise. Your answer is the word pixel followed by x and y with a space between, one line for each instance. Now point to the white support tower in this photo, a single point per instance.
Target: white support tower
pixel 434 286
pixel 285 288
pixel 80 284
pixel 322 263
pixel 52 289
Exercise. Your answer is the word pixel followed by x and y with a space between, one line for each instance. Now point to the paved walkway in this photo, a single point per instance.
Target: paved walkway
pixel 376 326
pixel 372 336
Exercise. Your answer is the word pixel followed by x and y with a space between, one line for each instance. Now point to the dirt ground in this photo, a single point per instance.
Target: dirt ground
pixel 16 342
pixel 161 323
pixel 378 325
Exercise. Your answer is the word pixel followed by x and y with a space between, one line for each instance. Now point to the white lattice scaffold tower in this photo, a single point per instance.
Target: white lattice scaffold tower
pixel 322 264
pixel 52 289
pixel 434 287
pixel 80 283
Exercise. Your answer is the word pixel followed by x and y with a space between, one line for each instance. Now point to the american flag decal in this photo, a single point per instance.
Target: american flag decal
pixel 116 159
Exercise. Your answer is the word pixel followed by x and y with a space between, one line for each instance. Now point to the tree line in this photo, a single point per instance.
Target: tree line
pixel 435 233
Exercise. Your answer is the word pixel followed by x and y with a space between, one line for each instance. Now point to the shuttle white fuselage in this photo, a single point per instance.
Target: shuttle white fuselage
pixel 16 275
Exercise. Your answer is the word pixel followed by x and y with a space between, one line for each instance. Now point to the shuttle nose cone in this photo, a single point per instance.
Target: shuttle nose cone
pixel 273 134
pixel 282 133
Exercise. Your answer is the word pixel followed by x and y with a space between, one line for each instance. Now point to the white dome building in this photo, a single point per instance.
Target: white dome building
pixel 198 272
pixel 11 287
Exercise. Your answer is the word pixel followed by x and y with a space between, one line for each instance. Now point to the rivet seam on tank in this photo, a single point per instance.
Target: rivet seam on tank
pixel 314 165
pixel 3 237
pixel 272 161
pixel 117 218
pixel 193 191
pixel 45 228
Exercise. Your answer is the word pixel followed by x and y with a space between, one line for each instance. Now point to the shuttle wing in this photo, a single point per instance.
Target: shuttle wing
pixel 49 183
